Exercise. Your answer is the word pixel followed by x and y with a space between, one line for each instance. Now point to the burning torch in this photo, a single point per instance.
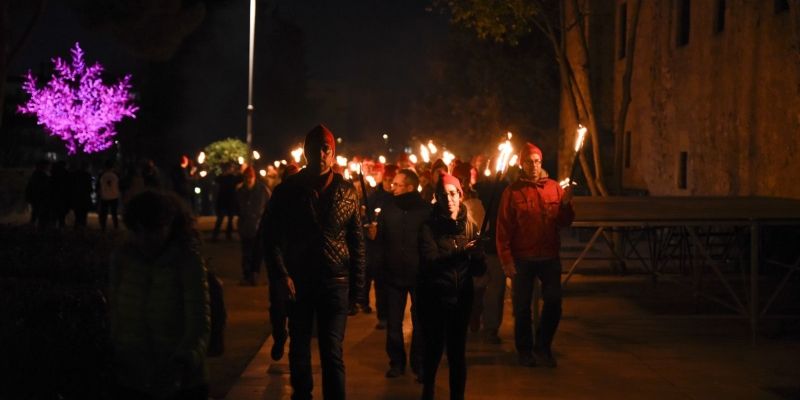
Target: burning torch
pixel 578 144
pixel 501 164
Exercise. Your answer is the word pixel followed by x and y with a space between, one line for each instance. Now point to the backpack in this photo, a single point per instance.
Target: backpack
pixel 216 340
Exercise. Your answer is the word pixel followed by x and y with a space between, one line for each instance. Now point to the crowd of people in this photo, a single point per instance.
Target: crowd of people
pixel 326 241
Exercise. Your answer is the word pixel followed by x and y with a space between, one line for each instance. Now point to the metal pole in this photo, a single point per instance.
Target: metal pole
pixel 250 75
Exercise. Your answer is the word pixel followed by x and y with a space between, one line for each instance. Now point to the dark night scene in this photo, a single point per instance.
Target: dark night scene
pixel 399 199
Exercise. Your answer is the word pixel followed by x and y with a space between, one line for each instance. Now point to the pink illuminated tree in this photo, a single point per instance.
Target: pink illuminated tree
pixel 76 106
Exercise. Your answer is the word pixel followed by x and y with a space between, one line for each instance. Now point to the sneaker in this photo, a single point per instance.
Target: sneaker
pixel 545 358
pixel 277 347
pixel 526 360
pixel 394 372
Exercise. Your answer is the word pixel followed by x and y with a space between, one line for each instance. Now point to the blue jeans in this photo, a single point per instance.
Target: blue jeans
pixel 549 273
pixel 328 301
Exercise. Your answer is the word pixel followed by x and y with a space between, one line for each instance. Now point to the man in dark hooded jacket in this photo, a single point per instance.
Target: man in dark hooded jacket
pixel 398 236
pixel 315 244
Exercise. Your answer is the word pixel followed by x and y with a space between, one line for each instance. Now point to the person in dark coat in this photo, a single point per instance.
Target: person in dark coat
pixel 226 200
pixel 375 202
pixel 397 233
pixel 315 245
pixel 81 193
pixel 59 193
pixel 252 195
pixel 36 193
pixel 449 258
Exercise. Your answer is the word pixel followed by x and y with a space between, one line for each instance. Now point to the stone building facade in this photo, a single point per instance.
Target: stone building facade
pixel 715 91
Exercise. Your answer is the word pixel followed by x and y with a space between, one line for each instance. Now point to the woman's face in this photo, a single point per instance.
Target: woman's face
pixel 453 198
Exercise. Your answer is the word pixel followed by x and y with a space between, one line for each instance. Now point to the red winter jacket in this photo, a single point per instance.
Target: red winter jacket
pixel 528 220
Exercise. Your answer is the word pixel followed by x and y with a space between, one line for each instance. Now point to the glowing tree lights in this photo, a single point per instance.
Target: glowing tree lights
pixel 76 106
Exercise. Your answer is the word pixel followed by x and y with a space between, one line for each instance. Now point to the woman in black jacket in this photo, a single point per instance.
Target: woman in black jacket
pixel 449 258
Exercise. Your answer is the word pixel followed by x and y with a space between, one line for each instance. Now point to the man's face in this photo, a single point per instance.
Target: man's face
pixel 399 185
pixel 323 157
pixel 532 166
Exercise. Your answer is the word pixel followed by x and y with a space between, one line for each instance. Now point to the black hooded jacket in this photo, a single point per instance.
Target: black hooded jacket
pixel 313 230
pixel 398 234
pixel 446 268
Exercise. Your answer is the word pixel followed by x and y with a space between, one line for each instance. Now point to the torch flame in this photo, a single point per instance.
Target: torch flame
pixel 432 147
pixel 347 174
pixel 509 135
pixel 341 161
pixel 581 136
pixel 201 158
pixel 203 174
pixel 413 159
pixel 241 160
pixel 352 166
pixel 447 157
pixel 504 157
pixel 297 153
pixel 262 172
pixel 423 151
pixel 276 163
pixel 377 210
pixel 371 181
pixel 513 160
pixel 256 155
pixel 382 159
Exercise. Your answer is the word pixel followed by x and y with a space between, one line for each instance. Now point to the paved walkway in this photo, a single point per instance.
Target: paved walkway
pixel 610 346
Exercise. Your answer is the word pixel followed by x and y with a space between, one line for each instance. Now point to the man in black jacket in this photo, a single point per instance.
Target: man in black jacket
pixel 398 235
pixel 315 243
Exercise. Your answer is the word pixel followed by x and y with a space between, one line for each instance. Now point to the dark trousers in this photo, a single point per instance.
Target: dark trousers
pixel 495 294
pixel 221 214
pixel 251 257
pixel 328 302
pixel 445 324
pixel 107 206
pixel 278 308
pixel 395 312
pixel 549 273
pixel 80 217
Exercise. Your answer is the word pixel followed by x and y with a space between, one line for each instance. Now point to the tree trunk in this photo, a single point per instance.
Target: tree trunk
pixel 619 132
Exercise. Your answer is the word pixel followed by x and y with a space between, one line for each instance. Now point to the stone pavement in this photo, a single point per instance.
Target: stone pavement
pixel 610 345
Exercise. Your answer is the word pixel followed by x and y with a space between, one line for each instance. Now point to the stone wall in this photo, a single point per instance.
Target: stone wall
pixel 729 99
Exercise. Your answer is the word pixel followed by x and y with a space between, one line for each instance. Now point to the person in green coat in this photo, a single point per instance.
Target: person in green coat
pixel 159 303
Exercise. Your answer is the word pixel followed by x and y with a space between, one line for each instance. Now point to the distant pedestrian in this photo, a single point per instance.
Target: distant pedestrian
pixel 81 193
pixel 450 257
pixel 531 212
pixel 36 192
pixel 252 195
pixel 108 194
pixel 59 194
pixel 226 200
pixel 159 303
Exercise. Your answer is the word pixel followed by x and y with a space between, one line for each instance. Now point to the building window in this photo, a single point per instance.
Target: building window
pixel 682 33
pixel 622 30
pixel 682 164
pixel 719 16
pixel 781 6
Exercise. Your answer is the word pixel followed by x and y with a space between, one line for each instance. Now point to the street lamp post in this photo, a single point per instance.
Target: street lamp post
pixel 250 75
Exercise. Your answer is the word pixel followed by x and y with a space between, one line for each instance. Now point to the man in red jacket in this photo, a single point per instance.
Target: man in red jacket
pixel 531 212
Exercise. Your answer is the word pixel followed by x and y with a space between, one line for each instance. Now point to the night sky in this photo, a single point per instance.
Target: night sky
pixel 354 65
